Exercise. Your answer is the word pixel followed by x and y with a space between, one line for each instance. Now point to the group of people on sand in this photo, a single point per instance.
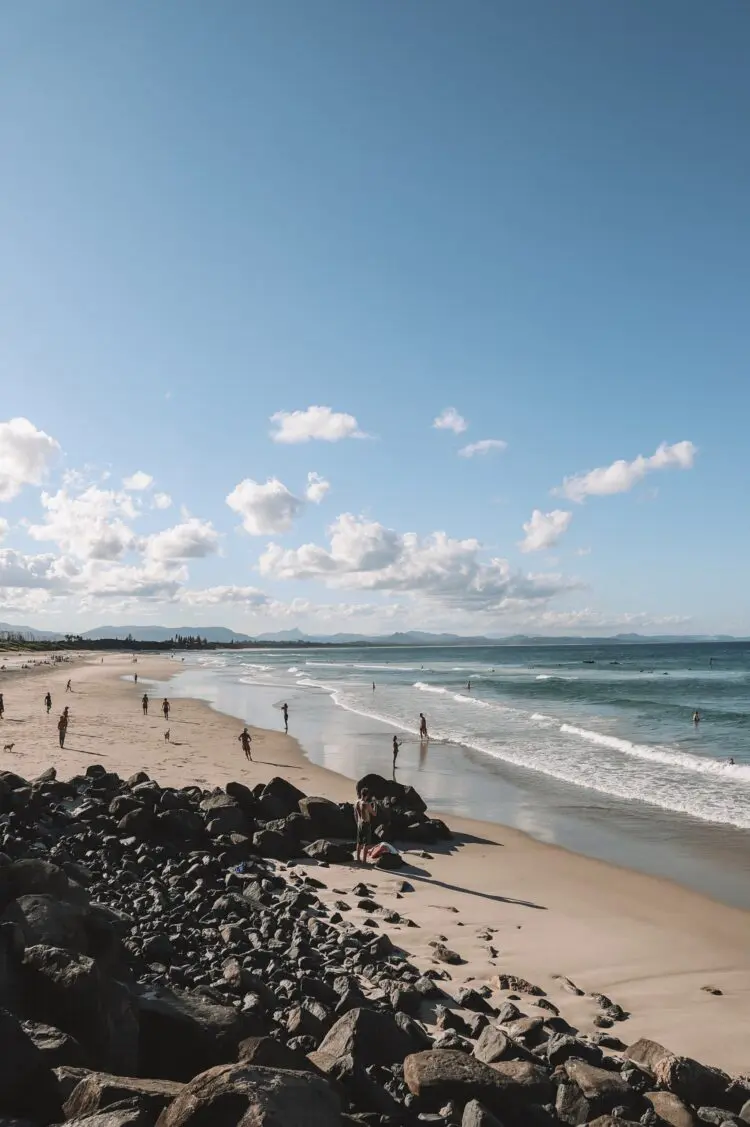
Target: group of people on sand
pixel 165 706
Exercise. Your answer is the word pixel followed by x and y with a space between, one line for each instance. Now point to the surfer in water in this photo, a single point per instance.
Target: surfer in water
pixel 731 762
pixel 696 718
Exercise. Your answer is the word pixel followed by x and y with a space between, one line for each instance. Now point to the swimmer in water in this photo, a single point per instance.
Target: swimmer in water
pixel 696 717
pixel 731 762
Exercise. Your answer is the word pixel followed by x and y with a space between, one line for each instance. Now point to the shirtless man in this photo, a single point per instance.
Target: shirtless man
pixel 364 812
pixel 246 739
pixel 422 726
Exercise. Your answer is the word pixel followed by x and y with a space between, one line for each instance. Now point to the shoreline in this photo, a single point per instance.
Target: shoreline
pixel 648 943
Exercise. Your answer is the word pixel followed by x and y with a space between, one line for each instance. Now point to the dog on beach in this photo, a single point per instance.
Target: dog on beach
pixel 166 736
pixel 9 747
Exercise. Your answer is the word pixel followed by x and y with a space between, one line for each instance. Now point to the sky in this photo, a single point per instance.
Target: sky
pixel 374 316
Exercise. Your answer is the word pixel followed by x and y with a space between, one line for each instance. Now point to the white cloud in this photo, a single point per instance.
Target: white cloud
pixel 544 529
pixel 577 620
pixel 316 422
pixel 366 555
pixel 89 525
pixel 449 419
pixel 317 487
pixel 161 501
pixel 19 570
pixel 621 476
pixel 26 454
pixel 269 508
pixel 152 580
pixel 24 600
pixel 250 597
pixel 583 551
pixel 138 481
pixel 4 528
pixel 192 540
pixel 484 446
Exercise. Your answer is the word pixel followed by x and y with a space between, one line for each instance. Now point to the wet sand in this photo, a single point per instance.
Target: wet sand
pixel 649 944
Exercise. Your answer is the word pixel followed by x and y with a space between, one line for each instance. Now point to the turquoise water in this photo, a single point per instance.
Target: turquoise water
pixel 610 719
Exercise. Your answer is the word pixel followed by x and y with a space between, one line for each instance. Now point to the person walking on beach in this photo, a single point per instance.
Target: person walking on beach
pixel 2 707
pixel 69 688
pixel 62 728
pixel 373 686
pixel 422 726
pixel 364 812
pixel 246 739
pixel 144 702
pixel 165 708
pixel 396 746
pixel 135 678
pixel 285 710
pixel 48 703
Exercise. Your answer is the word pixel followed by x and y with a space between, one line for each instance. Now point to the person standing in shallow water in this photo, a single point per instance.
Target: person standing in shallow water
pixel 246 739
pixel 285 710
pixel 422 726
pixel 144 702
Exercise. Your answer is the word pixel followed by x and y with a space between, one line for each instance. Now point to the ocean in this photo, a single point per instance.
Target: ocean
pixel 591 747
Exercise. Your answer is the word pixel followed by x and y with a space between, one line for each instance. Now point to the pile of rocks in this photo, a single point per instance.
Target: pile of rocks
pixel 157 971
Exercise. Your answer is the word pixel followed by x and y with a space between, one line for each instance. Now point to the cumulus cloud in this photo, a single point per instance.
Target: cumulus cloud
pixel 588 619
pixel 317 487
pixel 161 501
pixel 544 529
pixel 484 446
pixel 314 423
pixel 153 580
pixel 90 525
pixel 449 419
pixel 138 481
pixel 265 509
pixel 250 597
pixel 621 476
pixel 4 527
pixel 366 555
pixel 26 454
pixel 24 600
pixel 194 539
pixel 20 570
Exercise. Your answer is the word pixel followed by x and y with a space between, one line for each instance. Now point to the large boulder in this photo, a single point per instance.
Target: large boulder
pixel 647 1054
pixel 603 1089
pixel 266 1052
pixel 492 1045
pixel 324 818
pixel 274 844
pixel 182 1033
pixel 333 852
pixel 440 1075
pixel 396 795
pixel 477 1116
pixel 370 1037
pixel 671 1110
pixel 33 875
pixel 56 1047
pixel 27 1085
pixel 695 1083
pixel 278 799
pixel 100 1090
pixel 115 1117
pixel 45 919
pixel 240 1095
pixel 72 993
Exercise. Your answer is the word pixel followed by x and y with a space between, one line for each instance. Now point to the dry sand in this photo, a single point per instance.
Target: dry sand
pixel 647 943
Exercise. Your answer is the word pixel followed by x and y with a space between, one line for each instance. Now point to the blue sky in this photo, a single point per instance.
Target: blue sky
pixel 535 213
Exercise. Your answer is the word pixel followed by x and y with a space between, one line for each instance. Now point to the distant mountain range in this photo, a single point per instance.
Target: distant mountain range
pixel 222 635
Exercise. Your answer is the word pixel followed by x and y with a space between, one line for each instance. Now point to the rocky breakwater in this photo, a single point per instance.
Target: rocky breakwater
pixel 156 970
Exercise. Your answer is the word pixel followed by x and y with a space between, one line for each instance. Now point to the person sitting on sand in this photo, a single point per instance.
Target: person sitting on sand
pixel 62 728
pixel 422 726
pixel 144 702
pixel 165 708
pixel 246 739
pixel 396 746
pixel 48 703
pixel 364 812
pixel 285 710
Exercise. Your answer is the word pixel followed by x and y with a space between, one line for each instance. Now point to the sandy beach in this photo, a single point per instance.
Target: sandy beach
pixel 650 945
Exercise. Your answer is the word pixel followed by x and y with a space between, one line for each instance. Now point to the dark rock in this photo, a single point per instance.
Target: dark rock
pixel 477 1116
pixel 402 797
pixel 73 994
pixel 269 1053
pixel 330 851
pixel 325 819
pixel 717 1116
pixel 271 843
pixel 441 1075
pixel 125 1116
pixel 603 1089
pixel 100 1090
pixel 493 1045
pixel 367 1036
pixel 695 1083
pixel 279 798
pixel 562 1046
pixel 517 985
pixel 184 1033
pixel 27 1085
pixel 446 955
pixel 390 861
pixel 56 1047
pixel 235 1094
pixel 68 1078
